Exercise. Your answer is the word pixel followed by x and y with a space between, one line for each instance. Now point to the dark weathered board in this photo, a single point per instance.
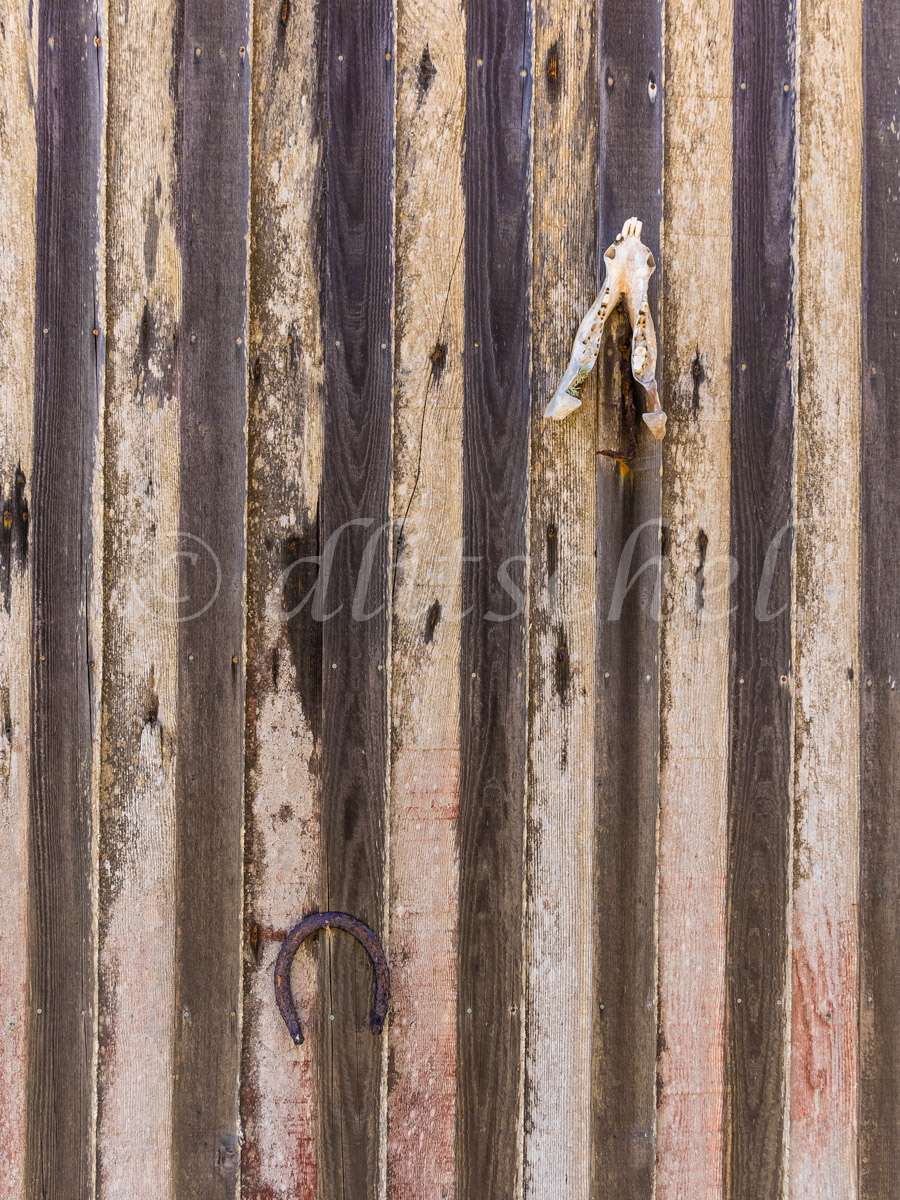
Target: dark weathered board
pixel 627 665
pixel 495 489
pixel 356 475
pixel 67 400
pixel 213 78
pixel 760 648
pixel 879 1085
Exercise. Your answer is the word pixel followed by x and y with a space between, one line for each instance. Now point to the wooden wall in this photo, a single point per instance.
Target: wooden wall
pixel 304 607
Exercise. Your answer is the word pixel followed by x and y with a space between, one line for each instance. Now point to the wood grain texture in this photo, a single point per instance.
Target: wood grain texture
pixel 427 506
pixel 759 813
pixel 213 81
pixel 497 260
pixel 696 256
pixel 562 586
pixel 136 988
pixel 354 523
pixel 66 551
pixel 284 639
pixel 18 172
pixel 824 1004
pixel 879 918
pixel 627 663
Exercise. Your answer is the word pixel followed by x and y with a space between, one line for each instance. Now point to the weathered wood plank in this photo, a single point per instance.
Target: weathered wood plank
pixel 627 732
pixel 696 256
pixel 136 988
pixel 427 506
pixel 562 586
pixel 879 923
pixel 759 812
pixel 496 427
pixel 354 514
pixel 18 170
pixel 66 532
pixel 284 638
pixel 824 1003
pixel 213 72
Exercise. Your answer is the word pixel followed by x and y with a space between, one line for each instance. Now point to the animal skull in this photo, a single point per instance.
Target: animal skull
pixel 629 265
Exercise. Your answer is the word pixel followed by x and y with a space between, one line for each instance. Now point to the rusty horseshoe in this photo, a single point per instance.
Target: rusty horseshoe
pixel 291 944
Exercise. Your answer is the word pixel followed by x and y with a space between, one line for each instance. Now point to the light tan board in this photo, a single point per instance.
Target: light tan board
pixel 823 1083
pixel 18 165
pixel 696 287
pixel 283 655
pixel 137 806
pixel 561 654
pixel 427 506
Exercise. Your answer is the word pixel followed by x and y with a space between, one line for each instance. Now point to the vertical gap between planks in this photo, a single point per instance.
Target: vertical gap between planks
pixel 427 536
pixel 136 991
pixel 760 781
pixel 824 1012
pixel 18 171
pixel 284 625
pixel 696 251
pixel 559 861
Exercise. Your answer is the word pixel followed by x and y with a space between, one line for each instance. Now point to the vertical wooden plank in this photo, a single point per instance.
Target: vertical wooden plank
pixel 355 514
pixel 879 923
pixel 18 168
pixel 284 638
pixel 824 1003
pixel 496 425
pixel 628 600
pixel 759 801
pixel 66 501
pixel 213 87
pixel 427 505
pixel 696 256
pixel 141 498
pixel 562 587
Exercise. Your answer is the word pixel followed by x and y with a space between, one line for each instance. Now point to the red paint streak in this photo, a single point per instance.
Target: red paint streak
pixel 422 1086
